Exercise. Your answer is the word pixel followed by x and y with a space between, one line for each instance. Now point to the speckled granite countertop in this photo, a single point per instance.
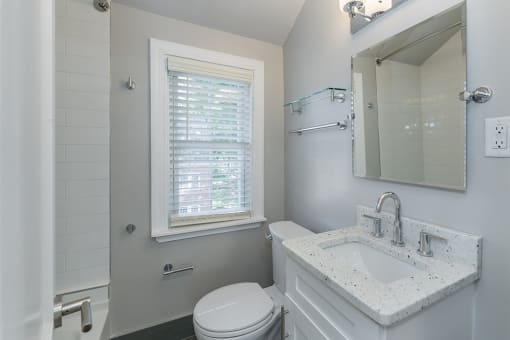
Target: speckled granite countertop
pixel 456 264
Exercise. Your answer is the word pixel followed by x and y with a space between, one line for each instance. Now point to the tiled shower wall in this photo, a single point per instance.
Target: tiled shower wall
pixel 82 145
pixel 424 102
pixel 442 76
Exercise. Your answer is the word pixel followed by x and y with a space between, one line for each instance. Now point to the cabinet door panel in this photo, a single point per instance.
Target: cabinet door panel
pixel 335 317
pixel 300 326
pixel 298 335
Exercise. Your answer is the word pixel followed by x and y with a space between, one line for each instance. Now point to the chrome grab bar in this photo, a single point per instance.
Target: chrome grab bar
pixel 62 309
pixel 169 269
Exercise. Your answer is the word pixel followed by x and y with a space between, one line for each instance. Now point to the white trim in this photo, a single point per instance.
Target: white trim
pixel 27 174
pixel 159 51
pixel 187 65
pixel 181 233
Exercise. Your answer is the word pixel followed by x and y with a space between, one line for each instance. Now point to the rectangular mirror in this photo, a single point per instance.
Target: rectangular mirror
pixel 409 124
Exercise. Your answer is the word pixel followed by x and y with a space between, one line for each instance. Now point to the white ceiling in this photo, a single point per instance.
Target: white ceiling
pixel 266 20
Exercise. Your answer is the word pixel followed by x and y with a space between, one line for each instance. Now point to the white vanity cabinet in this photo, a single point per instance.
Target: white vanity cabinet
pixel 316 312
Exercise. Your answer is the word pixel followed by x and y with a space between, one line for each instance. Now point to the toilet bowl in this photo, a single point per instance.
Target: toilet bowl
pixel 246 311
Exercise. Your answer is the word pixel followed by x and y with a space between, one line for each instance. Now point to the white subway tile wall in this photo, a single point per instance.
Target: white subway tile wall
pixel 82 145
pixel 443 76
pixel 422 99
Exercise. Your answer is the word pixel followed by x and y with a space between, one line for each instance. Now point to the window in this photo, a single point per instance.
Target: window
pixel 210 142
pixel 206 141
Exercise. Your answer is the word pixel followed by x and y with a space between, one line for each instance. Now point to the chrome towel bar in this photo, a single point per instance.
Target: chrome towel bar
pixel 169 269
pixel 341 124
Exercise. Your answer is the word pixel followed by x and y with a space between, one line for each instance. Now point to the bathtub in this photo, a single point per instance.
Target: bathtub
pixel 71 325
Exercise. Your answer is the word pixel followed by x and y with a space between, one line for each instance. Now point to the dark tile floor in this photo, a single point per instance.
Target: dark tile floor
pixel 181 329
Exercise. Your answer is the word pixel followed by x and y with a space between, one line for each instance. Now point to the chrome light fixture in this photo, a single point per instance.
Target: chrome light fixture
pixel 352 7
pixel 374 8
pixel 367 9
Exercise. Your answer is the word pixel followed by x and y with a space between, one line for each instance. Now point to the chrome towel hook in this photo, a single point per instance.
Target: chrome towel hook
pixel 102 5
pixel 131 84
pixel 130 228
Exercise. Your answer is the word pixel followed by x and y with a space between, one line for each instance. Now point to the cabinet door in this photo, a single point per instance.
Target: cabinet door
pixel 331 315
pixel 299 326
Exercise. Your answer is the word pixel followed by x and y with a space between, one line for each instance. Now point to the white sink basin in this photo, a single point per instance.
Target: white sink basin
pixel 385 282
pixel 379 265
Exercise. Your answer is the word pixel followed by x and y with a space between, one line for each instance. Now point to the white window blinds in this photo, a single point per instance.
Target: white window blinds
pixel 210 142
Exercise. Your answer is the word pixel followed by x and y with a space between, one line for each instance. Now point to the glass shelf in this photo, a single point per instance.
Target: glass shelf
pixel 335 94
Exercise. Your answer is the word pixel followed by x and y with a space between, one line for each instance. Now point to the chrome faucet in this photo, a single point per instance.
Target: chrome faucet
pixel 397 231
pixel 62 309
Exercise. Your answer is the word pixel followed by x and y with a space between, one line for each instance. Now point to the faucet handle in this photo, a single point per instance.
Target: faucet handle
pixel 62 309
pixel 377 221
pixel 425 238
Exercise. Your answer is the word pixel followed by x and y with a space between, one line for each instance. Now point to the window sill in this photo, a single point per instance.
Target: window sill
pixel 181 233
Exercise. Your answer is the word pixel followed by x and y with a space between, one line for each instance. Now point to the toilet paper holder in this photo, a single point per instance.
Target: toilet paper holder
pixel 169 269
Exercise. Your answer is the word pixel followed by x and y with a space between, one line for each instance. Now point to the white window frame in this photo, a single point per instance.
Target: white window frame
pixel 160 229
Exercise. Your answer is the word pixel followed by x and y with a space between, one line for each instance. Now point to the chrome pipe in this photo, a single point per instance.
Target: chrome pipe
pixel 283 328
pixel 282 320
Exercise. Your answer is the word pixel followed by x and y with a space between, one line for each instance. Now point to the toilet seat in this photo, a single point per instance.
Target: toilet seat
pixel 233 311
pixel 261 327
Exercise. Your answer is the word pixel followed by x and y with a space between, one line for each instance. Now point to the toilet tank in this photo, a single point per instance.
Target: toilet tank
pixel 282 231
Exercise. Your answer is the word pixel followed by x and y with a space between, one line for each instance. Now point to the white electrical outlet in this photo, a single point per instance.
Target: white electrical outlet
pixel 500 138
pixel 496 137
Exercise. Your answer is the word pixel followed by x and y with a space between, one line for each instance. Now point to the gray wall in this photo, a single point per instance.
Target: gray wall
pixel 321 192
pixel 139 296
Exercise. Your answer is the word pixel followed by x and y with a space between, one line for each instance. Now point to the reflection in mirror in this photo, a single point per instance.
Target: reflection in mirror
pixel 409 123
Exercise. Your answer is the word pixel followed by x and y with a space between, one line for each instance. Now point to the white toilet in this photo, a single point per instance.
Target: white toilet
pixel 245 311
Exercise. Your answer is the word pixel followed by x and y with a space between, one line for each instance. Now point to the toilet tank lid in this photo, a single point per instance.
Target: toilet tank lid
pixel 284 230
pixel 233 308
